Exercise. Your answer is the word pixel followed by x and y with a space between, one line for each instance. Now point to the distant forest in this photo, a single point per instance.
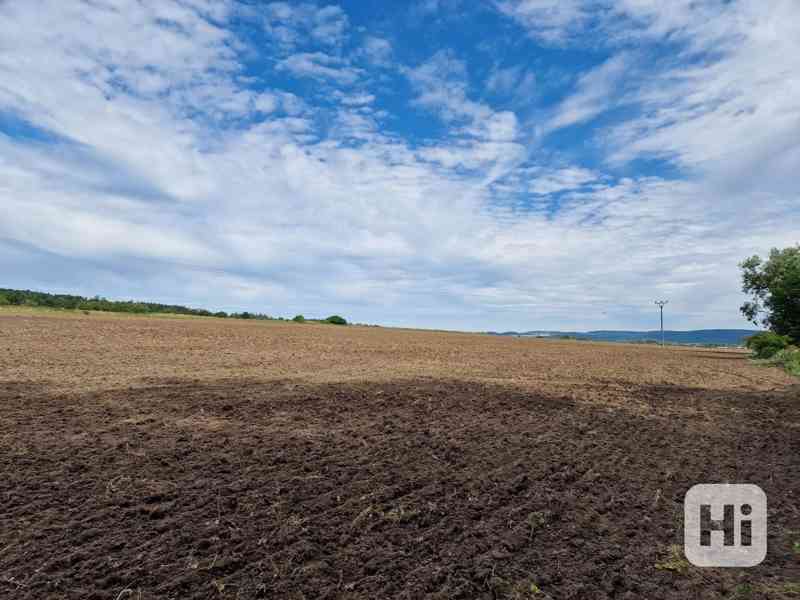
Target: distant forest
pixel 68 301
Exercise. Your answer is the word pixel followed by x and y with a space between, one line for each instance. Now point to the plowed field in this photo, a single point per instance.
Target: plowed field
pixel 151 458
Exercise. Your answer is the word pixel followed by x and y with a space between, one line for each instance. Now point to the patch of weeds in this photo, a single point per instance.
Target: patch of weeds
pixel 782 590
pixel 525 589
pixel 796 547
pixel 520 590
pixel 743 591
pixel 537 521
pixel 290 523
pixel 362 516
pixel 788 359
pixel 675 562
pixel 790 588
pixel 400 514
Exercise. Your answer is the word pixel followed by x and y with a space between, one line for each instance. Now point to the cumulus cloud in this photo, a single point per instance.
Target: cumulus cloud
pixel 377 50
pixel 356 99
pixel 441 83
pixel 293 24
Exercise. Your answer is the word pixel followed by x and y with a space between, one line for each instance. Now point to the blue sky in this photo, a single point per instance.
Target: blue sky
pixel 509 164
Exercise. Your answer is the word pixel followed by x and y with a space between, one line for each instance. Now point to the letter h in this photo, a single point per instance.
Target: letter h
pixel 707 525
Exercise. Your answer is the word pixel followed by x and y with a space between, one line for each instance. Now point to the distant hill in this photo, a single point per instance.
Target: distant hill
pixel 722 337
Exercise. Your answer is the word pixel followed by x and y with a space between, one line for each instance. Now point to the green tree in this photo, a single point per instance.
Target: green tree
pixel 336 320
pixel 4 300
pixel 299 319
pixel 774 287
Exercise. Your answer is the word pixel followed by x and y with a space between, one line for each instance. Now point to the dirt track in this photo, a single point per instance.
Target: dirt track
pixel 204 459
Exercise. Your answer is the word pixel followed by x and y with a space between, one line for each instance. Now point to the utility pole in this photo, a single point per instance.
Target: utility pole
pixel 661 304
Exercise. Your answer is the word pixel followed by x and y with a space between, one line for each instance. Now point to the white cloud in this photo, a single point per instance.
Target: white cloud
pixel 484 138
pixel 441 84
pixel 426 8
pixel 548 20
pixel 720 102
pixel 377 50
pixel 293 24
pixel 515 80
pixel 548 181
pixel 320 66
pixel 595 92
pixel 732 113
pixel 354 99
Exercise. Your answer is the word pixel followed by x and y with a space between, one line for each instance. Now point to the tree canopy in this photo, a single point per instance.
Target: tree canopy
pixel 774 287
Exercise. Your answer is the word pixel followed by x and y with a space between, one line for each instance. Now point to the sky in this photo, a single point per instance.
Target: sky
pixel 473 165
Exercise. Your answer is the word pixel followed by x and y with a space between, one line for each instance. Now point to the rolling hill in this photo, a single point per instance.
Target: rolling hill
pixel 722 337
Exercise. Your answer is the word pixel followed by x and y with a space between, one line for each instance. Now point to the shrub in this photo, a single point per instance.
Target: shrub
pixel 299 319
pixel 789 359
pixel 4 300
pixel 767 344
pixel 336 320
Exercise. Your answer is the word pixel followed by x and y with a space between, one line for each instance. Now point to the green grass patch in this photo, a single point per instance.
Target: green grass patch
pixel 675 561
pixel 788 360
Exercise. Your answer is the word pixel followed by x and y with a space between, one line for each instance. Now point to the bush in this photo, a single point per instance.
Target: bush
pixel 789 359
pixel 336 320
pixel 767 344
pixel 4 300
pixel 299 319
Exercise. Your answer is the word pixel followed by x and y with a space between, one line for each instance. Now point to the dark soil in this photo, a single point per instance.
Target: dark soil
pixel 422 489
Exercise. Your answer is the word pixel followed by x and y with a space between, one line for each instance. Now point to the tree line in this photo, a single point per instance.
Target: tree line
pixel 97 303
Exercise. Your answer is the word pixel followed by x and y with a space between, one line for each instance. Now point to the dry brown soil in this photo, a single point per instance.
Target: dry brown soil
pixel 158 457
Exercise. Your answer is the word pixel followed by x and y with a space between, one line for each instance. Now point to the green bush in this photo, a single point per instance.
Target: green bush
pixel 767 344
pixel 4 300
pixel 336 320
pixel 299 319
pixel 789 359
